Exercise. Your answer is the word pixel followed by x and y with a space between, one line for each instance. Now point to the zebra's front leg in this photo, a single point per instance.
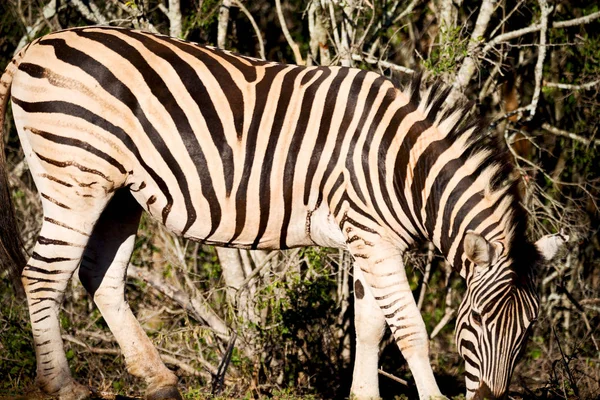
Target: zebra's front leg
pixel 385 277
pixel 102 273
pixel 369 323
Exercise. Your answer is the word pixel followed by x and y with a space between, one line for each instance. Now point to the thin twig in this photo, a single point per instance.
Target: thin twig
pixel 430 251
pixel 223 23
pixel 406 11
pixel 392 377
pixel 32 31
pixel 89 11
pixel 286 33
pixel 449 310
pixel 382 64
pixel 566 365
pixel 570 135
pixel 567 86
pixel 184 367
pixel 539 66
pixel 505 37
pixel 586 19
pixel 469 64
pixel 261 44
pixel 197 305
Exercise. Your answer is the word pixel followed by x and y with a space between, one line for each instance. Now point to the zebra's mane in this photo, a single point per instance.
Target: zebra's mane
pixel 457 122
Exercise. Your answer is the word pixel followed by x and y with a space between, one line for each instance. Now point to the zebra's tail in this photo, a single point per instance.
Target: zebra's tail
pixel 12 255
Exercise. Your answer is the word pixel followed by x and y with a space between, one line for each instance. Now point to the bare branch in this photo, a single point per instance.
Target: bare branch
pixel 505 37
pixel 586 19
pixel 382 64
pixel 449 311
pixel 539 66
pixel 261 44
pixel 406 11
pixel 32 31
pixel 334 28
pixel 198 306
pixel 447 16
pixel 286 33
pixel 90 11
pixel 347 34
pixel 187 369
pixel 223 24
pixel 469 65
pixel 430 251
pixel 392 377
pixel 567 86
pixel 573 136
pixel 175 18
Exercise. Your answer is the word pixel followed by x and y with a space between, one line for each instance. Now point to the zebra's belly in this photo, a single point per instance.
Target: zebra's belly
pixel 252 226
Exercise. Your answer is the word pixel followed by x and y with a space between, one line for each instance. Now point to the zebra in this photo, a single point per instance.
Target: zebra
pixel 114 122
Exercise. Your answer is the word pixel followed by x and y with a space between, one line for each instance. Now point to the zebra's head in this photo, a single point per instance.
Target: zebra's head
pixel 499 307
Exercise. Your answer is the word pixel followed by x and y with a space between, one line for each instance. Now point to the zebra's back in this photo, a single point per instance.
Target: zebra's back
pixel 219 147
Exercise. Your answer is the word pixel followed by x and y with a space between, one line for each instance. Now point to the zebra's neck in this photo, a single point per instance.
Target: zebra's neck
pixel 448 181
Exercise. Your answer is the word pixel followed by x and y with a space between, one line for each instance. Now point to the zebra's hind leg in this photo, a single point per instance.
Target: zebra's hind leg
pixel 55 257
pixel 369 322
pixel 102 273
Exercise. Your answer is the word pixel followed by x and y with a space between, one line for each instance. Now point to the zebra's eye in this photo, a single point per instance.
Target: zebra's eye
pixel 476 317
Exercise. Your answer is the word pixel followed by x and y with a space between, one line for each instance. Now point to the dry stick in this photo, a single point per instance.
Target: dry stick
pixel 383 64
pixel 287 35
pixel 566 364
pixel 175 27
pixel 446 18
pixel 539 66
pixel 570 135
pixel 91 13
pixel 347 34
pixel 406 11
pixel 197 306
pixel 567 86
pixel 506 18
pixel 505 37
pixel 261 44
pixel 223 23
pixel 468 66
pixel 105 338
pixel 32 31
pixel 449 311
pixel 586 19
pixel 334 28
pixel 430 250
pixel 379 25
pixel 255 272
pixel 188 369
pixel 392 377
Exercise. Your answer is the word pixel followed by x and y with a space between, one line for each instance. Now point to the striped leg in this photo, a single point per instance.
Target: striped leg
pixel 102 273
pixel 385 277
pixel 369 323
pixel 54 259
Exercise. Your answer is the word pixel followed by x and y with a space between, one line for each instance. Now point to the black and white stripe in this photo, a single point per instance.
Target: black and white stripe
pixel 244 153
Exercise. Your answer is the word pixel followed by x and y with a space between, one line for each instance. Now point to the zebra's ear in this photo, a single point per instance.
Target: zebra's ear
pixel 478 249
pixel 549 245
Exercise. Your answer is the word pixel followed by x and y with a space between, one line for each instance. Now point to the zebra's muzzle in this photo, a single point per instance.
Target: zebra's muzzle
pixel 485 393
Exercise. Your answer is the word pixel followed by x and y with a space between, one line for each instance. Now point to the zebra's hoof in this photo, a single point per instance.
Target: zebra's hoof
pixel 164 393
pixel 74 391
